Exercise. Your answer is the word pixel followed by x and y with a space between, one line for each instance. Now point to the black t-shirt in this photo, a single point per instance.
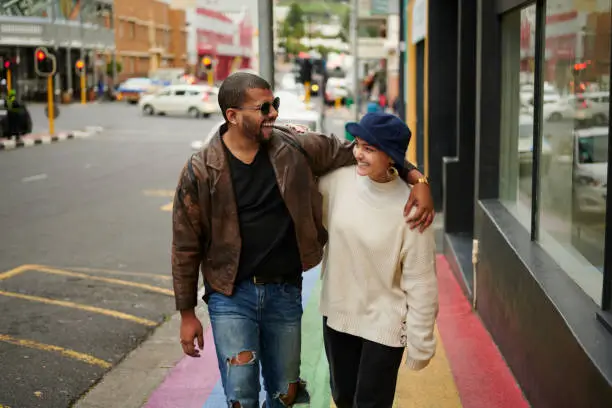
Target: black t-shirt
pixel 269 244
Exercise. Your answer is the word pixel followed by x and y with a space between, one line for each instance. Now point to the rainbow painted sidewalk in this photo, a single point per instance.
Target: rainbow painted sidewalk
pixel 467 371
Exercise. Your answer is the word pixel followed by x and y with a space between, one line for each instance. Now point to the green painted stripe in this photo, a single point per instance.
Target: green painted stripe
pixel 314 368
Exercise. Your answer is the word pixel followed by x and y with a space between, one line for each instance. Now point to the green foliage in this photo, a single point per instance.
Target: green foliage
pixel 109 68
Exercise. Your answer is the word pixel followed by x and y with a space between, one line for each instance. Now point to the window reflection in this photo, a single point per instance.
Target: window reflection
pixel 573 191
pixel 516 145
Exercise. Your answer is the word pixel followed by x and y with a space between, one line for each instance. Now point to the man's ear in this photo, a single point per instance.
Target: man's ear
pixel 231 116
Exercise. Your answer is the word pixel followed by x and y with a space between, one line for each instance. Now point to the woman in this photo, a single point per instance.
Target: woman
pixel 379 294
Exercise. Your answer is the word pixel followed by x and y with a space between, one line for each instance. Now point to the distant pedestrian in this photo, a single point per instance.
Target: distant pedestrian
pixel 13 115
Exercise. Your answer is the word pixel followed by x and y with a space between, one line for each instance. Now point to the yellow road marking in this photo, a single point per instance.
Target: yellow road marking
pixel 158 193
pixel 85 358
pixel 55 271
pixel 72 305
pixel 119 272
pixel 167 207
pixel 14 272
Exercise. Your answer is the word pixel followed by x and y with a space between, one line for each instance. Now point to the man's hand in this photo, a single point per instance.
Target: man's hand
pixel 420 196
pixel 297 128
pixel 191 328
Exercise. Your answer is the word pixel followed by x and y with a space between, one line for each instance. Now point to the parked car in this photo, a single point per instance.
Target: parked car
pixel 132 89
pixel 590 170
pixel 193 100
pixel 525 147
pixel 292 110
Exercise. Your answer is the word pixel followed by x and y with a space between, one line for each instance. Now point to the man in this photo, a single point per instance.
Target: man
pixel 247 209
pixel 13 115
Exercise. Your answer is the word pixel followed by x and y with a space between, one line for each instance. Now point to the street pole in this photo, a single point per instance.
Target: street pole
pixel 266 41
pixel 402 60
pixel 354 50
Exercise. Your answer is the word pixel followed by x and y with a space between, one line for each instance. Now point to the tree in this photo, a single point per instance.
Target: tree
pixel 293 28
pixel 295 17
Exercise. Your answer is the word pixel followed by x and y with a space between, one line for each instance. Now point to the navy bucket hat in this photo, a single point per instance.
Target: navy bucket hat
pixel 384 131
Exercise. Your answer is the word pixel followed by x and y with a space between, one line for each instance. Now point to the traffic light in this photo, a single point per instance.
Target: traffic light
pixel 80 67
pixel 207 62
pixel 7 64
pixel 44 62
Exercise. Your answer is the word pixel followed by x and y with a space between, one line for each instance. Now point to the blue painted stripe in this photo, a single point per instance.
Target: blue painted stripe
pixel 217 396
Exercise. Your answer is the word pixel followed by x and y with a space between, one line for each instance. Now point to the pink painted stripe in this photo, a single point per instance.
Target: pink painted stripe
pixel 482 377
pixel 190 382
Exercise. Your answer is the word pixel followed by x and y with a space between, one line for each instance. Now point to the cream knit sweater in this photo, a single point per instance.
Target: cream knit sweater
pixel 379 276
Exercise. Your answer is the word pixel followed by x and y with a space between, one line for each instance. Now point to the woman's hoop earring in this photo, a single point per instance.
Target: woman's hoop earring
pixel 392 171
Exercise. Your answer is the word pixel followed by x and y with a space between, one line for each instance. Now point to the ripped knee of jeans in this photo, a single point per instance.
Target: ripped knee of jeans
pixel 242 358
pixel 293 390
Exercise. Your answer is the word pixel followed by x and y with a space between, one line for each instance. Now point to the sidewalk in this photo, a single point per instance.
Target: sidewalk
pixel 34 139
pixel 467 371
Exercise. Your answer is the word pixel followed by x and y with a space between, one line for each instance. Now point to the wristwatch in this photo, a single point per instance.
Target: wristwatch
pixel 423 180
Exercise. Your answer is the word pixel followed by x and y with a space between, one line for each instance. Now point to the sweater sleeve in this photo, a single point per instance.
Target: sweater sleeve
pixel 420 285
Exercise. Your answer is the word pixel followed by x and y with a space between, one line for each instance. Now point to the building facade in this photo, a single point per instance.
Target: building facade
pixel 509 101
pixel 70 29
pixel 149 34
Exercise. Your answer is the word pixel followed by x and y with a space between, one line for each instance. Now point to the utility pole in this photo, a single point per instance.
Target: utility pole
pixel 354 50
pixel 266 41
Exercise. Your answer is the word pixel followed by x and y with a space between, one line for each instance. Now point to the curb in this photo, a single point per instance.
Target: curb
pixel 48 139
pixel 130 383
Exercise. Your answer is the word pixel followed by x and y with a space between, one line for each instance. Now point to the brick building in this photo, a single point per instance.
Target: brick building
pixel 149 34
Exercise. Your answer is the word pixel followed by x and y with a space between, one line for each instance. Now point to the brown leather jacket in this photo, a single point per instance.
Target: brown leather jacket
pixel 205 219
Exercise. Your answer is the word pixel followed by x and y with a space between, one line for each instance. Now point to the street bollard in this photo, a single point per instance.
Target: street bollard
pixel 211 81
pixel 50 105
pixel 83 89
pixel 338 104
pixel 9 84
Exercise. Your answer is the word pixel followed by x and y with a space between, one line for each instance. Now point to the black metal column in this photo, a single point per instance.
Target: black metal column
pixel 401 106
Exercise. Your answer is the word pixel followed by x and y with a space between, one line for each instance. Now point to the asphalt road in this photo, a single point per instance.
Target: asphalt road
pixel 89 203
pixel 85 247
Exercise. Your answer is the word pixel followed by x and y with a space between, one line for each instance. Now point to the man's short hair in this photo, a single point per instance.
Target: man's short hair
pixel 233 90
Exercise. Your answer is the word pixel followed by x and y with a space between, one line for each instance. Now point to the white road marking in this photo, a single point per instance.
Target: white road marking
pixel 36 177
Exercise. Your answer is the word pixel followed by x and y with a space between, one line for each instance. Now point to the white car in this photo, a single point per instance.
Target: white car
pixel 193 100
pixel 291 110
pixel 525 147
pixel 590 170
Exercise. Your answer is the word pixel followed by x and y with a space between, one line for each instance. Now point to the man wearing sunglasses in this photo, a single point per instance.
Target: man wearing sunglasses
pixel 248 212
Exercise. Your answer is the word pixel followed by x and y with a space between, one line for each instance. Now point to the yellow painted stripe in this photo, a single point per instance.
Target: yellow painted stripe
pixel 85 358
pixel 425 100
pixel 55 271
pixel 432 387
pixel 119 272
pixel 14 272
pixel 159 193
pixel 72 305
pixel 167 207
pixel 411 99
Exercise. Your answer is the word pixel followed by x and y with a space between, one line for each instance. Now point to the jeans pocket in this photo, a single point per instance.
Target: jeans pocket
pixel 291 292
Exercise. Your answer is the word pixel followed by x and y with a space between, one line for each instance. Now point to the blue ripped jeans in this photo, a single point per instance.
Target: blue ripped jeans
pixel 258 324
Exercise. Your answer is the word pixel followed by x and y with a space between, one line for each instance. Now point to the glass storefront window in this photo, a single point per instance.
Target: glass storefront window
pixel 25 8
pixel 574 161
pixel 517 85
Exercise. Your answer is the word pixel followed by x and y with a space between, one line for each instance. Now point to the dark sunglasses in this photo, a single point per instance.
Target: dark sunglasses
pixel 264 108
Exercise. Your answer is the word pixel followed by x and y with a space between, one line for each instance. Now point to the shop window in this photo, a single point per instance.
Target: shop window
pixel 516 127
pixel 574 157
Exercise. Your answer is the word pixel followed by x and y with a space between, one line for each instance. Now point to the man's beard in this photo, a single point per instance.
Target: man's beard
pixel 254 131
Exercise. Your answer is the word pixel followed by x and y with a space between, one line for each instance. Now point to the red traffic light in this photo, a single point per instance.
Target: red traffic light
pixel 80 64
pixel 40 55
pixel 7 64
